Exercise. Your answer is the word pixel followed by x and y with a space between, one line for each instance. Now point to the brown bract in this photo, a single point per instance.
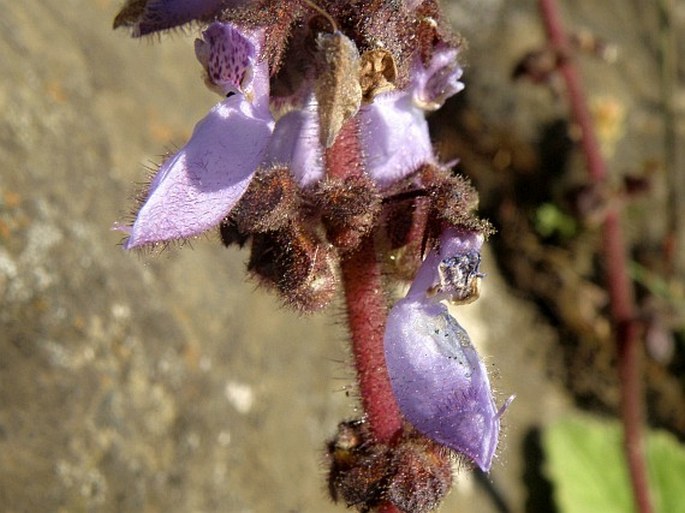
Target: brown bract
pixel 269 203
pixel 412 473
pixel 337 87
pixel 349 209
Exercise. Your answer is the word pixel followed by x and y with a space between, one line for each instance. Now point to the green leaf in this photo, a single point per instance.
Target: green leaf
pixel 551 220
pixel 585 462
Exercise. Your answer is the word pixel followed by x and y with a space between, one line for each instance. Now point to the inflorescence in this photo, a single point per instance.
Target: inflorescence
pixel 319 150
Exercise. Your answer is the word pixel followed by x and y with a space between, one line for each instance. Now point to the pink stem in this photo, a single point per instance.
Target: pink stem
pixel 618 284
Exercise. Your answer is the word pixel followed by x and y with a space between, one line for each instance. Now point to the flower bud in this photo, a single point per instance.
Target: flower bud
pixel 298 265
pixel 269 202
pixel 349 209
pixel 422 475
pixel 358 466
pixel 454 198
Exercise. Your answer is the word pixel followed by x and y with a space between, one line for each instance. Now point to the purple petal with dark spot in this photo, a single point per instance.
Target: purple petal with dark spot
pixel 195 189
pixel 228 57
pixel 439 381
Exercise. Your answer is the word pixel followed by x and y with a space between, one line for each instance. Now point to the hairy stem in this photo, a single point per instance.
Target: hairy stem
pixel 618 284
pixel 366 309
pixel 367 313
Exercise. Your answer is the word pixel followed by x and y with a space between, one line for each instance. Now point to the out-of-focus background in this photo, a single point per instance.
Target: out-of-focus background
pixel 146 383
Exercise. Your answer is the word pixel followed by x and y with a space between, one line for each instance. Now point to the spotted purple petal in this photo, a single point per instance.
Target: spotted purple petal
pixel 295 143
pixel 195 189
pixel 159 15
pixel 433 85
pixel 228 58
pixel 395 138
pixel 439 381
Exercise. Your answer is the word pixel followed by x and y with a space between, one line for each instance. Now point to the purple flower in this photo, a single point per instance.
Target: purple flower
pixel 433 85
pixel 440 383
pixel 199 186
pixel 195 189
pixel 395 139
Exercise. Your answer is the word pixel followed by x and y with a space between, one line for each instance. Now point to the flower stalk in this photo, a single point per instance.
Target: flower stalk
pixel 366 314
pixel 365 304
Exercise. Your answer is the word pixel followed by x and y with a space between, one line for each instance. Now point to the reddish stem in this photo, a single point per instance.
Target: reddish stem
pixel 387 507
pixel 366 312
pixel 618 284
pixel 366 308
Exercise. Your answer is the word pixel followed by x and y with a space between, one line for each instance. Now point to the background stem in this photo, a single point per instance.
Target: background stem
pixel 618 284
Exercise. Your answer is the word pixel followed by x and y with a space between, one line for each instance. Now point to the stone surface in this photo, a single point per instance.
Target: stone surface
pixel 134 382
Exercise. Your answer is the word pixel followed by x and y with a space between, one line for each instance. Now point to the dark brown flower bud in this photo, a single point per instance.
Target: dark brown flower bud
pixel 422 475
pixel 349 209
pixel 297 264
pixel 414 474
pixel 269 202
pixel 454 201
pixel 358 466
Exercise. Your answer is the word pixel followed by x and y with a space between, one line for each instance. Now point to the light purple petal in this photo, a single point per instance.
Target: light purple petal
pixel 433 85
pixel 295 143
pixel 195 189
pixel 394 137
pixel 165 14
pixel 439 381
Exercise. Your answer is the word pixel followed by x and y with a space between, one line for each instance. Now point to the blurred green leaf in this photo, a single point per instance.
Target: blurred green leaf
pixel 550 220
pixel 586 464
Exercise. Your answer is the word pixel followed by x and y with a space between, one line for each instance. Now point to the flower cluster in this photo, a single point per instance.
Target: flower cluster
pixel 319 150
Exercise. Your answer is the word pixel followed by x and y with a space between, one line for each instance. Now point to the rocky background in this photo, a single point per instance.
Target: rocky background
pixel 169 383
